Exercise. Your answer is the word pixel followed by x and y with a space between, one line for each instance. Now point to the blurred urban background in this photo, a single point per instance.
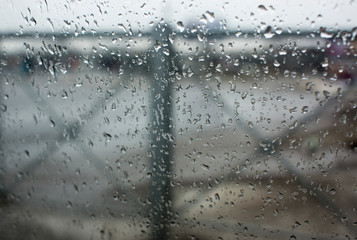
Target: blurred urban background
pixel 182 120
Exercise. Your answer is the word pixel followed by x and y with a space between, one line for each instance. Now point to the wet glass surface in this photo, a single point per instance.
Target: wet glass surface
pixel 187 120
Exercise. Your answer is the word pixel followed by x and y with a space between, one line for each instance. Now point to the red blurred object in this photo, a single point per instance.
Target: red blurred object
pixel 340 64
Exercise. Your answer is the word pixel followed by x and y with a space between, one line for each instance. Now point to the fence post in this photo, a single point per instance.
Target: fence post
pixel 160 133
pixel 3 191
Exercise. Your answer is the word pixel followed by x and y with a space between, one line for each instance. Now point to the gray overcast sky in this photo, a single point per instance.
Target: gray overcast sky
pixel 111 15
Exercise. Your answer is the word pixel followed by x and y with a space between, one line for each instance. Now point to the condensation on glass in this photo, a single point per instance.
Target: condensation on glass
pixel 178 120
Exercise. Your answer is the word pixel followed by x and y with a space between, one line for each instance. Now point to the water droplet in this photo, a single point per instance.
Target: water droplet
pixel 52 123
pixel 324 64
pixel 166 51
pixel 309 86
pixel 204 166
pixel 217 197
pixel 157 46
pixel 262 7
pixel 107 136
pixel 276 63
pixel 304 109
pixel 51 23
pixel 292 110
pixel 106 120
pixel 33 20
pixel 268 32
pixel 278 30
pixel 69 204
pixel 203 19
pixel 116 195
pixel 27 153
pixel 180 26
pixel 210 16
pixel 200 37
pixel 3 107
pixel 122 27
pixel 325 34
pixel 275 212
pixel 219 68
pixel 282 52
pixel 64 94
pixel 123 150
pixel 76 189
pixel 104 47
pixel 238 33
pixel 78 82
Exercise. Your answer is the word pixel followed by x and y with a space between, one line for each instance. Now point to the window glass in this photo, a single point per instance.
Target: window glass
pixel 178 119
